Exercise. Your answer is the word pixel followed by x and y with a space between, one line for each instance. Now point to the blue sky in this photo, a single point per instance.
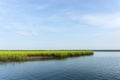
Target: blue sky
pixel 59 24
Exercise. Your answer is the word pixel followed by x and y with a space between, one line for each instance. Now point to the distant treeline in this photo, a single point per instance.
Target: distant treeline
pixel 106 50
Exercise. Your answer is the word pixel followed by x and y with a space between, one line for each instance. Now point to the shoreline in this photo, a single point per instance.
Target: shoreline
pixel 6 56
pixel 30 58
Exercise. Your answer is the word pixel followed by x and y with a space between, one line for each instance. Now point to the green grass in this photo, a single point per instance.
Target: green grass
pixel 22 55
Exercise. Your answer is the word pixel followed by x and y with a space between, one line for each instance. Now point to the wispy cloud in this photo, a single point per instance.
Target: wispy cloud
pixel 71 22
pixel 110 20
pixel 102 20
pixel 22 29
pixel 26 33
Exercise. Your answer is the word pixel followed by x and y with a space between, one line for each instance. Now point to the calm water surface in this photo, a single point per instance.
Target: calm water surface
pixel 100 66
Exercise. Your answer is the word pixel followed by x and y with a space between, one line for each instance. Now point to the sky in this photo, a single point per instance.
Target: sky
pixel 59 24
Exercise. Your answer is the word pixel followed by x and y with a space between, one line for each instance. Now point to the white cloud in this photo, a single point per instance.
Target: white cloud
pixel 106 20
pixel 102 20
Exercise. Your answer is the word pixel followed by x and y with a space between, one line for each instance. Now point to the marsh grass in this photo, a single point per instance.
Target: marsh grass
pixel 22 55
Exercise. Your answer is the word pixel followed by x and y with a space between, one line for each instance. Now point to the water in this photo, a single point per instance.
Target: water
pixel 100 66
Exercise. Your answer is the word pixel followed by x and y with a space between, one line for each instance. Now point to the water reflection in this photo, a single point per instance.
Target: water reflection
pixel 101 66
pixel 56 59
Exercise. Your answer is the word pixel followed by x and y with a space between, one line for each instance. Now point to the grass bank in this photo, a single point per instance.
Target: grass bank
pixel 23 55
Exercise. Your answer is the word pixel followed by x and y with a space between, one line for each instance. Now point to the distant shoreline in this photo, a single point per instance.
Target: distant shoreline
pixel 106 50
